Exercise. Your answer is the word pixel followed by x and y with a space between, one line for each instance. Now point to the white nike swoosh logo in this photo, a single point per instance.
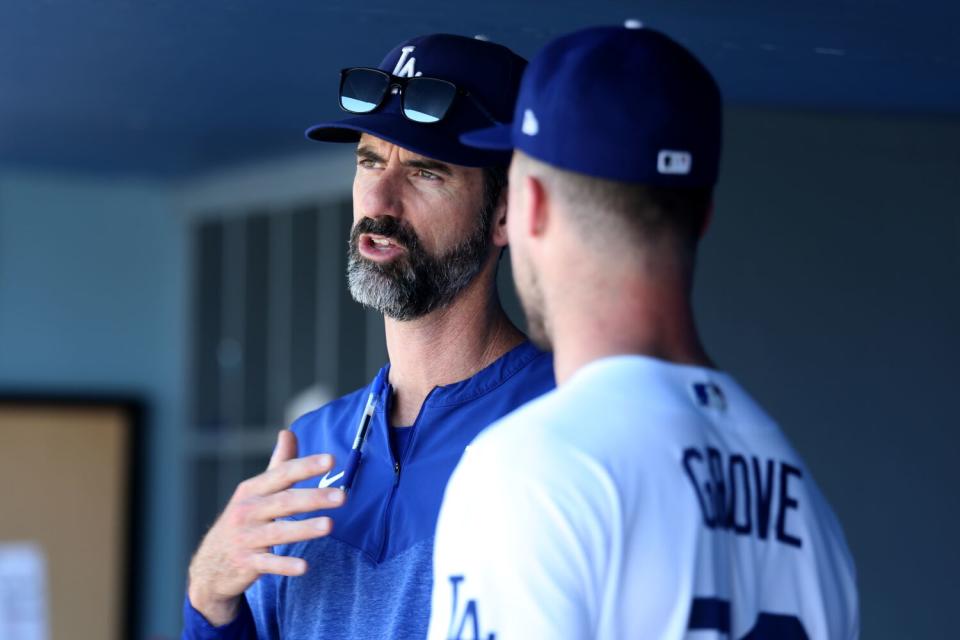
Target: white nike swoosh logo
pixel 326 480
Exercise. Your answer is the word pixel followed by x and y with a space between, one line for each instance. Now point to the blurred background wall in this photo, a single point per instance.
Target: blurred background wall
pixel 93 300
pixel 828 284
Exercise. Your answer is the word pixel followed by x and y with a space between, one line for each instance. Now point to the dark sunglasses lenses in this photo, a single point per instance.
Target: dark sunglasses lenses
pixel 427 99
pixel 424 99
pixel 362 90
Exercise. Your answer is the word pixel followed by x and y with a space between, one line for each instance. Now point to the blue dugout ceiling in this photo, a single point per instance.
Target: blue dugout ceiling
pixel 169 88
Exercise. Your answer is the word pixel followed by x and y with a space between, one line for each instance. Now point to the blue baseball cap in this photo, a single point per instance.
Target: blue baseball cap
pixel 620 103
pixel 490 72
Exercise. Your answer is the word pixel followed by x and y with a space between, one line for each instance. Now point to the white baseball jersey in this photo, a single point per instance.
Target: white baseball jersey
pixel 642 499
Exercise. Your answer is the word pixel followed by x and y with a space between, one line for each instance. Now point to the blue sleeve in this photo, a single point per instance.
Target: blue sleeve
pixel 196 627
pixel 261 598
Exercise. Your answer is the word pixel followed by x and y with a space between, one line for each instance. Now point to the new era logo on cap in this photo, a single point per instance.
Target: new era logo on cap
pixel 531 126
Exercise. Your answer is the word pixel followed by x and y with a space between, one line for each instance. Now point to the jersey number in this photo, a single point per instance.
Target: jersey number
pixel 713 614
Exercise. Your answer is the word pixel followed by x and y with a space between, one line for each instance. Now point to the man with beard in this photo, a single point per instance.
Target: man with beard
pixel 429 227
pixel 648 496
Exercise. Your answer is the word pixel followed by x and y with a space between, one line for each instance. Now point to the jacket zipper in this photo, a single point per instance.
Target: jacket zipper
pixel 397 468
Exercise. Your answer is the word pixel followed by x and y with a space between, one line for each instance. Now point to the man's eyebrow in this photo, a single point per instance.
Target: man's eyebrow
pixel 366 153
pixel 429 165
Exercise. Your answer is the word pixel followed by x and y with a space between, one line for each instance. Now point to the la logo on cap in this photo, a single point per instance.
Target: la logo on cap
pixel 406 65
pixel 530 125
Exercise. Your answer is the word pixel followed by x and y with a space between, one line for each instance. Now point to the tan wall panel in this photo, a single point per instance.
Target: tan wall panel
pixel 64 485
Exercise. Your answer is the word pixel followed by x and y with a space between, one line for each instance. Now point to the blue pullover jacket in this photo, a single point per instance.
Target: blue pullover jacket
pixel 371 578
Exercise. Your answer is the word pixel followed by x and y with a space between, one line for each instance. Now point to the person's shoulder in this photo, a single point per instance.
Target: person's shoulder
pixel 517 376
pixel 531 362
pixel 534 371
pixel 526 465
pixel 535 436
pixel 523 423
pixel 600 415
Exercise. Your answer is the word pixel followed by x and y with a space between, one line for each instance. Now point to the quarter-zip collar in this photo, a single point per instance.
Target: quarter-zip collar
pixel 391 508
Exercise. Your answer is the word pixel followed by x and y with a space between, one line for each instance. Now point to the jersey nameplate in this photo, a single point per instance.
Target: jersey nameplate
pixel 743 495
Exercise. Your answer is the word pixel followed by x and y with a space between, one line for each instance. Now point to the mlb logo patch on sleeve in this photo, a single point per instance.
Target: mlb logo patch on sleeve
pixel 709 396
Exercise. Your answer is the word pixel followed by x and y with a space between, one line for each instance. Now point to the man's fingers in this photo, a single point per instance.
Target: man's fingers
pixel 295 501
pixel 286 473
pixel 290 531
pixel 285 449
pixel 279 565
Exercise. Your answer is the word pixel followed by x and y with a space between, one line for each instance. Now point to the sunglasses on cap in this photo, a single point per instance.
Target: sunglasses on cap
pixel 424 100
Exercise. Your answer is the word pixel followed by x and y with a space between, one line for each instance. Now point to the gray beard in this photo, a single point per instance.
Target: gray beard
pixel 417 283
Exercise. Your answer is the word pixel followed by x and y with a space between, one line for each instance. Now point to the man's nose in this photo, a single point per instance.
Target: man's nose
pixel 382 196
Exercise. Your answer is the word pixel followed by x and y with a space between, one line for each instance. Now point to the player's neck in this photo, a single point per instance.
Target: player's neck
pixel 632 316
pixel 446 346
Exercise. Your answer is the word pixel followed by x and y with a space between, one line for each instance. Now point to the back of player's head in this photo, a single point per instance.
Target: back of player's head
pixel 628 121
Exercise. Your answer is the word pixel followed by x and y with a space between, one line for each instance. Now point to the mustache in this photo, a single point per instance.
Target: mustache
pixel 388 227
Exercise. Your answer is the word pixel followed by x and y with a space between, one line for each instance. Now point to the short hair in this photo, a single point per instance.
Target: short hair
pixel 648 214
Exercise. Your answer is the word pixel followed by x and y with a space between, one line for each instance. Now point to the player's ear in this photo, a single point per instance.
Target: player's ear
pixel 536 210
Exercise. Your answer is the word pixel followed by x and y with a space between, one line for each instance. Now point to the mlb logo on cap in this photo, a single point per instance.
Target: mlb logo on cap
pixel 626 104
pixel 674 162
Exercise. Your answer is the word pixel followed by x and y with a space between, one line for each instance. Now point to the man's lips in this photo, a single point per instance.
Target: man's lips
pixel 379 248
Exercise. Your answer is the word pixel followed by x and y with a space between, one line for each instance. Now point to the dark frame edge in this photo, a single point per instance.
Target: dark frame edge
pixel 136 409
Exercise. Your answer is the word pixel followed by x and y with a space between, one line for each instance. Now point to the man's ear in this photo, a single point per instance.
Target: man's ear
pixel 500 219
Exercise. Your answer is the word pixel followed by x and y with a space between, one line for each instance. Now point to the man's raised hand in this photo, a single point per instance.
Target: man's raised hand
pixel 237 549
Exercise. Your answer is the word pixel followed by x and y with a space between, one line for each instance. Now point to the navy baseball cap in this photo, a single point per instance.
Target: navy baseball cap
pixel 490 72
pixel 620 103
